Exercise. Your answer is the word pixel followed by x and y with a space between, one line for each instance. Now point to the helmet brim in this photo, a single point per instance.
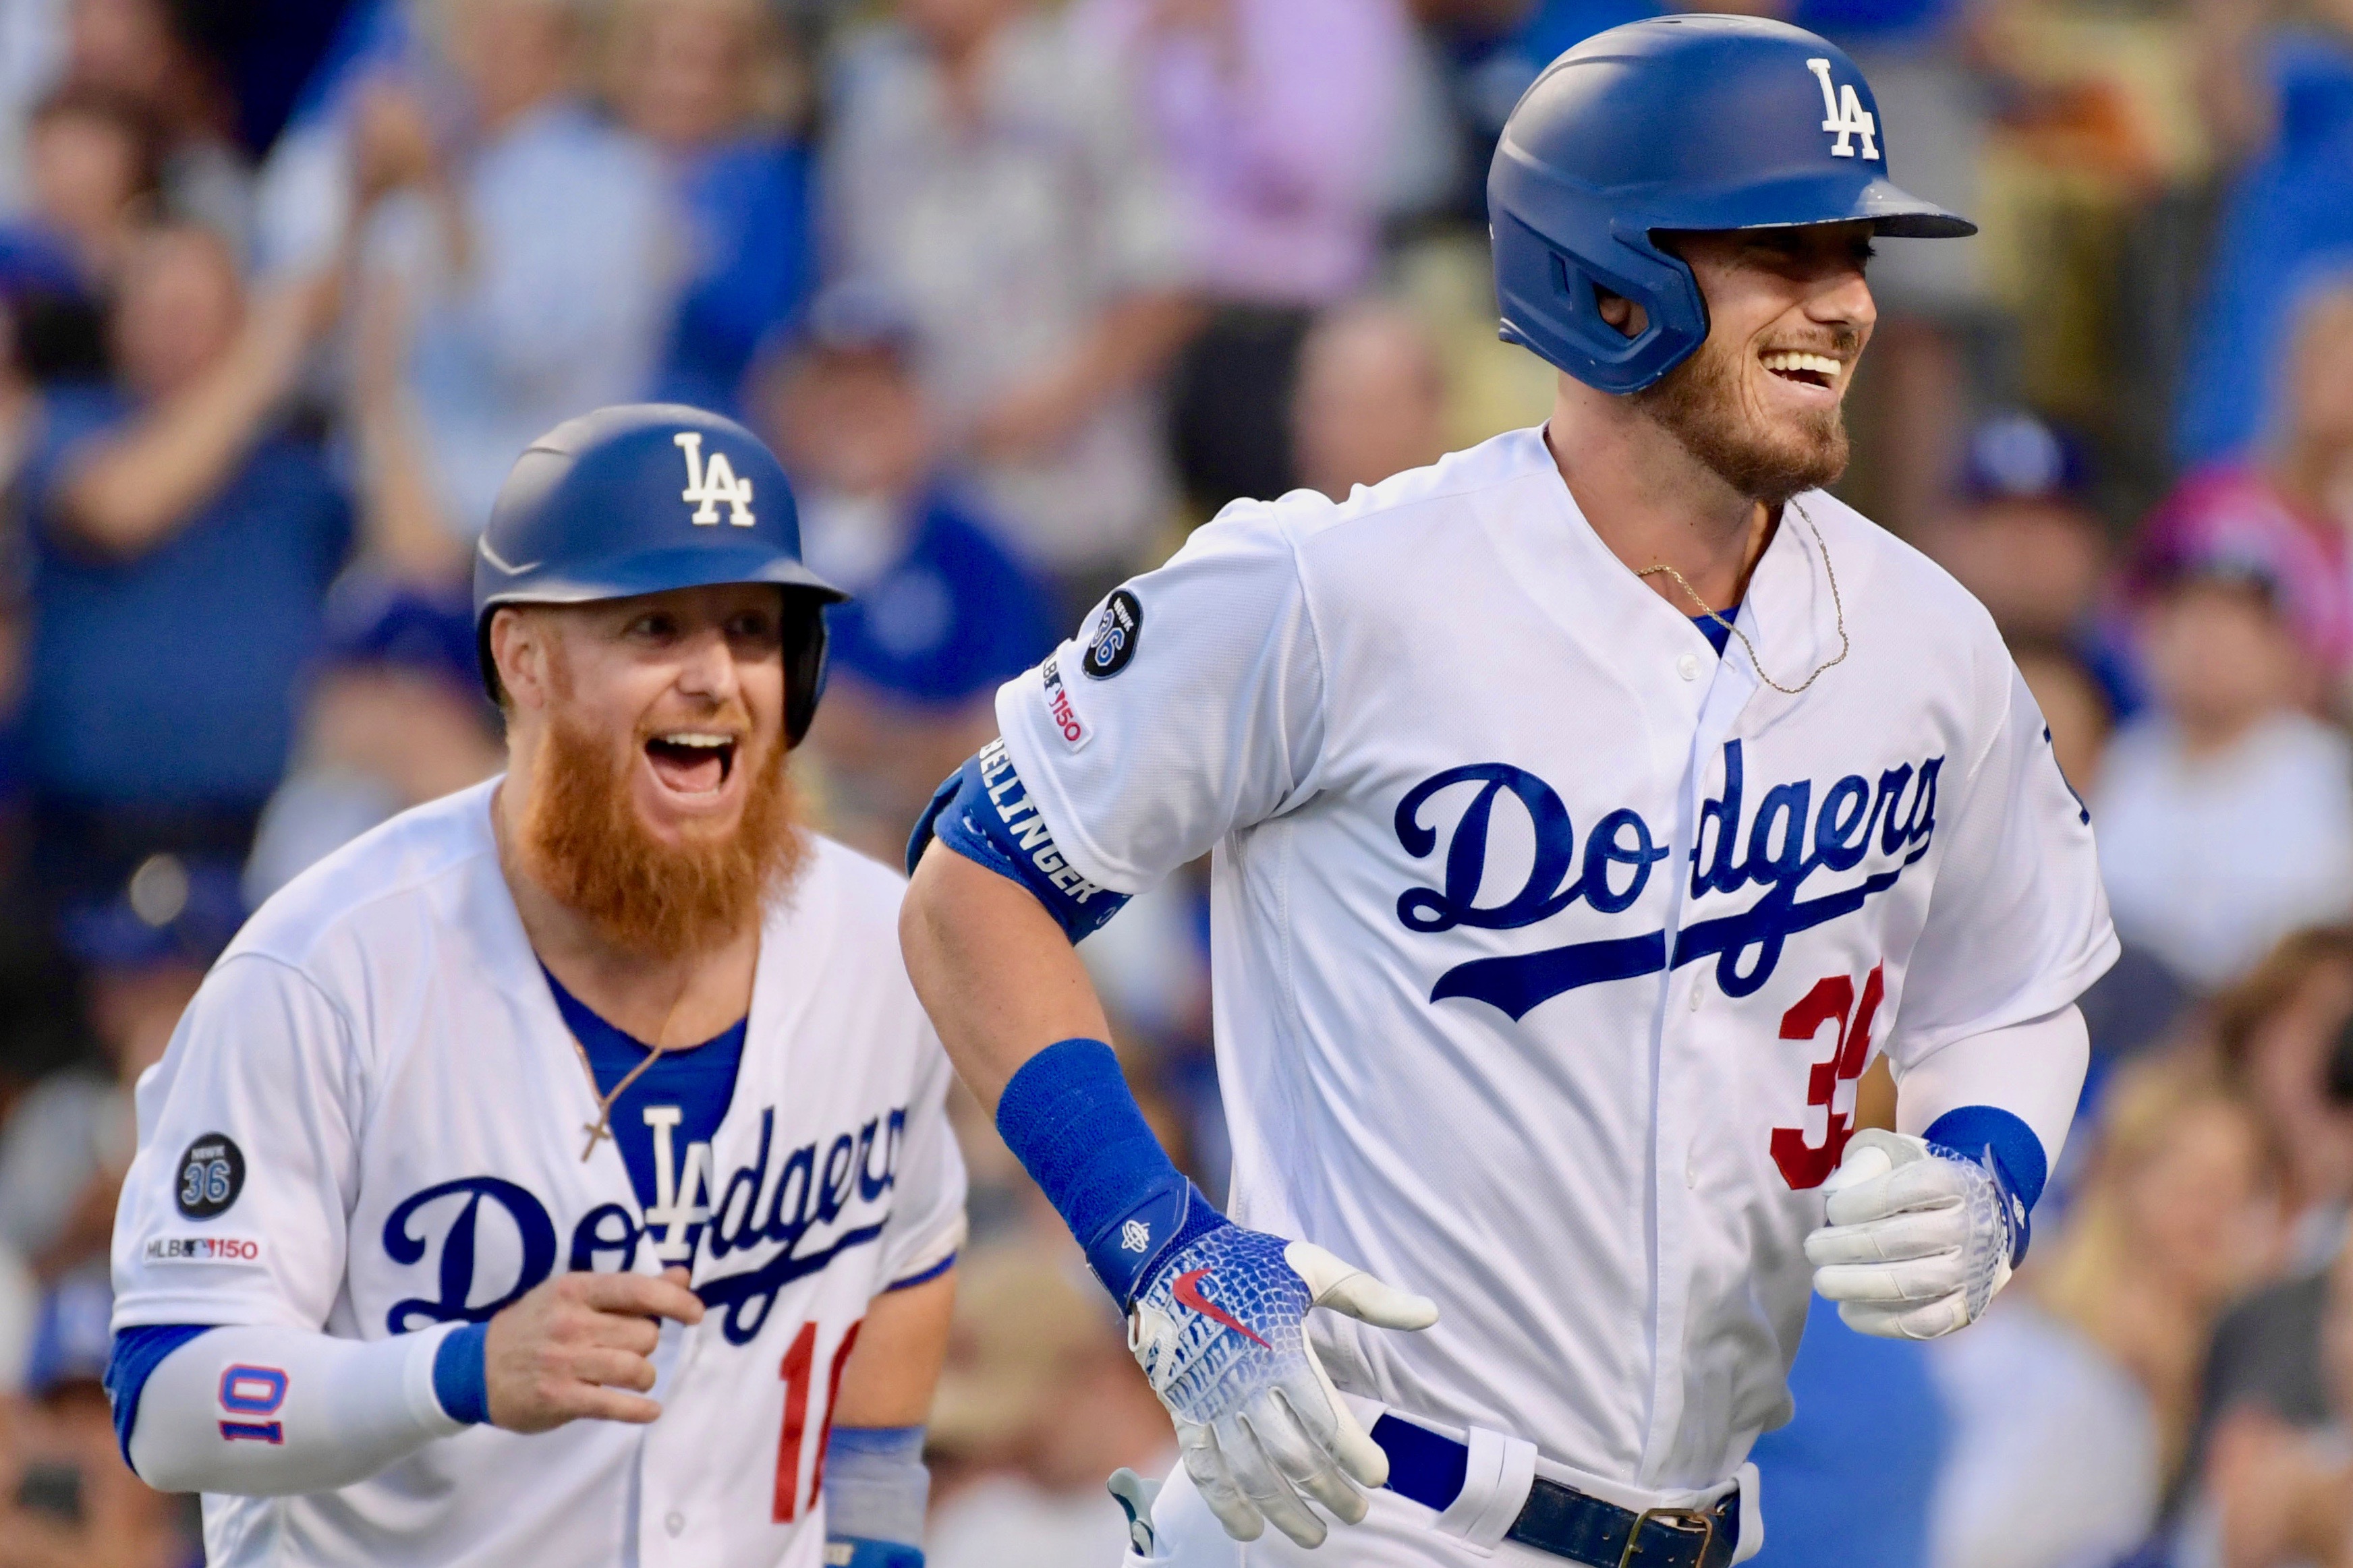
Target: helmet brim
pixel 661 572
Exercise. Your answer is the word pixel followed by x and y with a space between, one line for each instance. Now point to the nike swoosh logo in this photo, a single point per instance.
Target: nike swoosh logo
pixel 482 543
pixel 1188 1290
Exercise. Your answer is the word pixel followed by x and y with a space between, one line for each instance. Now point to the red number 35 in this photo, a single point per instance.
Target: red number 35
pixel 1831 1001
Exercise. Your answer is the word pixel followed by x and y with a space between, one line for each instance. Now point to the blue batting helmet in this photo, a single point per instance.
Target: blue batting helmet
pixel 641 499
pixel 1680 122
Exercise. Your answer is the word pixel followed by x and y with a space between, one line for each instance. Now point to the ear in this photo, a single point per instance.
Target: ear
pixel 1627 315
pixel 518 652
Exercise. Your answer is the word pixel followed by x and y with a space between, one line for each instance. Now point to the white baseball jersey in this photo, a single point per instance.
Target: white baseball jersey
pixel 372 1120
pixel 1547 945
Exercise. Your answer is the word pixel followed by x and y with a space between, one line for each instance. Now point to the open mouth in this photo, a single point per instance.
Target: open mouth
pixel 1818 371
pixel 692 762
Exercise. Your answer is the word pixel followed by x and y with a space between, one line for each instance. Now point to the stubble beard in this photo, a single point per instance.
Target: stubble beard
pixel 1699 402
pixel 582 841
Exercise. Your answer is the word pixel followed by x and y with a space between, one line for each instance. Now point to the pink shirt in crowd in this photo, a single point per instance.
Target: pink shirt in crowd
pixel 1274 132
pixel 2232 513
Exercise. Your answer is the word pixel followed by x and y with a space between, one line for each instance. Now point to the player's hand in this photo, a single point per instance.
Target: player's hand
pixel 1220 1333
pixel 570 1348
pixel 1919 1237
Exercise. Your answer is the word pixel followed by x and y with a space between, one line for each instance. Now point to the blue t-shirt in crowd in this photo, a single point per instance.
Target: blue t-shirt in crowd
pixel 956 615
pixel 2286 224
pixel 687 1091
pixel 1852 1477
pixel 172 678
pixel 746 207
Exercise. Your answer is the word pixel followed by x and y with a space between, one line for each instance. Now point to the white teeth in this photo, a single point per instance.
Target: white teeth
pixel 695 738
pixel 1820 364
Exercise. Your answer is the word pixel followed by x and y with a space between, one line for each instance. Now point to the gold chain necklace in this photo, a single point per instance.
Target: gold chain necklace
pixel 1837 605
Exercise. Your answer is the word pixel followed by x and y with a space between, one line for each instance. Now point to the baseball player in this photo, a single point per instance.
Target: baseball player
pixel 1586 812
pixel 555 1174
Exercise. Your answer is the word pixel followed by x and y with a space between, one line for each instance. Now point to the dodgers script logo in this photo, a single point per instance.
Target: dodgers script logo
pixel 491 1240
pixel 1789 840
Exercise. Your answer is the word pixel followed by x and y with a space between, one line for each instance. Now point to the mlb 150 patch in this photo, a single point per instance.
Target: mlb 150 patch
pixel 1115 636
pixel 211 1175
pixel 202 1249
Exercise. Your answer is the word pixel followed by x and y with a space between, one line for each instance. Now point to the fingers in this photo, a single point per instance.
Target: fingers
pixel 1211 1477
pixel 1914 1280
pixel 1921 1234
pixel 1344 1287
pixel 1922 1184
pixel 590 1402
pixel 639 1295
pixel 1301 1455
pixel 1345 1437
pixel 613 1369
pixel 1243 1440
pixel 1924 1321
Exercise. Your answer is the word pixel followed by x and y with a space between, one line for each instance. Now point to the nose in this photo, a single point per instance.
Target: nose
pixel 1843 297
pixel 707 669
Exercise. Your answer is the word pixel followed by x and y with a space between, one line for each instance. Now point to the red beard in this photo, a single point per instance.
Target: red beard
pixel 583 842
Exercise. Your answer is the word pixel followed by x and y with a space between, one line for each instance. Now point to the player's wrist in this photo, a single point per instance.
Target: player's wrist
pixel 2010 1151
pixel 1069 1118
pixel 462 1382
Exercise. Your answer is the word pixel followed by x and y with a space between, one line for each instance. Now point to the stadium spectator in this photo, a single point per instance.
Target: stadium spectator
pixel 1039 1402
pixel 1276 169
pixel 2027 538
pixel 396 717
pixel 92 164
pixel 711 84
pixel 2175 1215
pixel 182 545
pixel 2225 814
pixel 534 248
pixel 988 166
pixel 1371 398
pixel 941 616
pixel 2282 96
pixel 67 1499
pixel 2289 505
pixel 64 1147
pixel 152 53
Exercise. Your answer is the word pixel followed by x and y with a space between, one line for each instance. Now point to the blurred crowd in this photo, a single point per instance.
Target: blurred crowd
pixel 1022 291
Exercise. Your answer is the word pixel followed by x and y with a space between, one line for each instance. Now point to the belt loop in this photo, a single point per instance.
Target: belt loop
pixel 1495 1483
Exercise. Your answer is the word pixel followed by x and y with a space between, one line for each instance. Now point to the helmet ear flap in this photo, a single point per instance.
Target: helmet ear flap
pixel 1551 303
pixel 805 667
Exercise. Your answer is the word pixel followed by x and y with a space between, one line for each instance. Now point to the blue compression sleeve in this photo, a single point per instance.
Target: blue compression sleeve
pixel 984 813
pixel 876 1489
pixel 1069 1117
pixel 138 1352
pixel 461 1376
pixel 2007 1146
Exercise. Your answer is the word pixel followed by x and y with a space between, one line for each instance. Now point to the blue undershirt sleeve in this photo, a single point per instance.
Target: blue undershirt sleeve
pixel 138 1352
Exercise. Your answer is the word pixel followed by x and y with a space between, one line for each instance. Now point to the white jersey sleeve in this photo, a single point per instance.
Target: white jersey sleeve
pixel 2018 925
pixel 927 1225
pixel 1194 706
pixel 235 1209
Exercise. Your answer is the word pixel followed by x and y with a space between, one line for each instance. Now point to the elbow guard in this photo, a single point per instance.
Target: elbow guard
pixel 986 813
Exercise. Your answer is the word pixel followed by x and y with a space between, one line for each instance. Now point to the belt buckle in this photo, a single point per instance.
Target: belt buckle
pixel 1697 1522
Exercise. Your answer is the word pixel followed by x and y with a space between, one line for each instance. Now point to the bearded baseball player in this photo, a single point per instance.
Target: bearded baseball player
pixel 1586 812
pixel 554 1174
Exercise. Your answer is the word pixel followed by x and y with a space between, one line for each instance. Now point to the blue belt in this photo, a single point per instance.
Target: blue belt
pixel 1429 1468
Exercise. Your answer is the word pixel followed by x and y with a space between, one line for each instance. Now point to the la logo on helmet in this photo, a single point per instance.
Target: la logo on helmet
pixel 1842 112
pixel 713 484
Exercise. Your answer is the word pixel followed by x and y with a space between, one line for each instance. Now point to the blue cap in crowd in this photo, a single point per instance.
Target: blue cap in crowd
pixel 374 621
pixel 171 911
pixel 2019 456
pixel 72 1338
pixel 858 315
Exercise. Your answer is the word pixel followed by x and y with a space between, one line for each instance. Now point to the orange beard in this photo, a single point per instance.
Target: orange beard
pixel 583 842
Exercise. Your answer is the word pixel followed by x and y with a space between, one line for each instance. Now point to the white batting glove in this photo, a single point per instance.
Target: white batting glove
pixel 1919 1240
pixel 1220 1334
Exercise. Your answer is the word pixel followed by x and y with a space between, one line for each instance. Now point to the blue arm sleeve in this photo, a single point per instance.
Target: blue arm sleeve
pixel 2005 1145
pixel 1069 1117
pixel 984 814
pixel 138 1352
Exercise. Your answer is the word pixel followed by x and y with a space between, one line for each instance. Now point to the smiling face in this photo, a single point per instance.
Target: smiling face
pixel 1789 314
pixel 650 734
